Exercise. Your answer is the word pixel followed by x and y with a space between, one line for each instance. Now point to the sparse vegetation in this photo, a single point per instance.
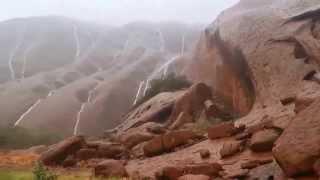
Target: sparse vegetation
pixel 31 175
pixel 19 138
pixel 42 173
pixel 168 83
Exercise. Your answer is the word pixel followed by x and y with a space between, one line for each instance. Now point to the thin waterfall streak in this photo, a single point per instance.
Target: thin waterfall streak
pixel 26 113
pixel 171 60
pixel 125 47
pixel 91 94
pixel 75 130
pixel 138 93
pixel 159 70
pixel 146 87
pixel 20 39
pixel 83 105
pixel 12 56
pixel 166 70
pixel 77 42
pixel 24 65
pixel 31 108
pixel 183 45
pixel 162 41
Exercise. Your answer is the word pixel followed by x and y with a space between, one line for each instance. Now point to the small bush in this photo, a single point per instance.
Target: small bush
pixel 42 173
pixel 168 83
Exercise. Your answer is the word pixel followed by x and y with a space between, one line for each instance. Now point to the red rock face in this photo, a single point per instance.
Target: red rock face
pixel 110 168
pixel 272 66
pixel 60 152
pixel 222 130
pixel 298 147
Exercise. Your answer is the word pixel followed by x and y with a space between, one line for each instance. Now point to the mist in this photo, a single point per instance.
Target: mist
pixel 118 12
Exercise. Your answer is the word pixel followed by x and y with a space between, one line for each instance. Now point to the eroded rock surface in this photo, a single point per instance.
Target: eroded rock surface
pixel 298 147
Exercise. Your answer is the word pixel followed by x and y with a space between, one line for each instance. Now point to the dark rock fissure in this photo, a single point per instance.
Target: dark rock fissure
pixel 312 14
pixel 234 58
pixel 309 75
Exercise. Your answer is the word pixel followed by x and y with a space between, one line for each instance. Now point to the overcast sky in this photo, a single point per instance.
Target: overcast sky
pixel 117 12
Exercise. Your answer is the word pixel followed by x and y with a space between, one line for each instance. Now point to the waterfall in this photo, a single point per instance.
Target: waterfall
pixel 162 40
pixel 30 109
pixel 13 54
pixel 164 68
pixel 146 87
pixel 76 127
pixel 83 105
pixel 26 113
pixel 125 47
pixel 77 41
pixel 183 45
pixel 138 93
pixel 26 53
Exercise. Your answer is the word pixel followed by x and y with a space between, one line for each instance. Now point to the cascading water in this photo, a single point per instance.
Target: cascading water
pixel 162 40
pixel 83 105
pixel 183 42
pixel 125 47
pixel 30 109
pixel 77 41
pixel 26 113
pixel 25 56
pixel 163 68
pixel 138 93
pixel 76 127
pixel 12 55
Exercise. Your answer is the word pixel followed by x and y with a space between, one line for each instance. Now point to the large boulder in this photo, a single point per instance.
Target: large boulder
pixel 110 169
pixel 59 152
pixel 110 150
pixel 177 138
pixel 153 147
pixel 86 153
pixel 132 139
pixel 230 148
pixel 298 148
pixel 222 130
pixel 189 105
pixel 263 140
pixel 169 141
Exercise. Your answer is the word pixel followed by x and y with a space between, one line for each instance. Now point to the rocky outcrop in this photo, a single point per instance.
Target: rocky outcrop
pixel 298 147
pixel 263 140
pixel 133 139
pixel 191 102
pixel 110 169
pixel 169 141
pixel 230 149
pixel 223 130
pixel 58 153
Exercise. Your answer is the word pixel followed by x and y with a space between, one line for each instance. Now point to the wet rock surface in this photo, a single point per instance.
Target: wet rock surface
pixel 110 169
pixel 260 59
pixel 298 149
pixel 58 153
pixel 263 140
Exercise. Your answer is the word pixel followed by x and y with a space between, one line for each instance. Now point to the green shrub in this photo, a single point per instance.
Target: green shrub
pixel 42 173
pixel 168 83
pixel 20 138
